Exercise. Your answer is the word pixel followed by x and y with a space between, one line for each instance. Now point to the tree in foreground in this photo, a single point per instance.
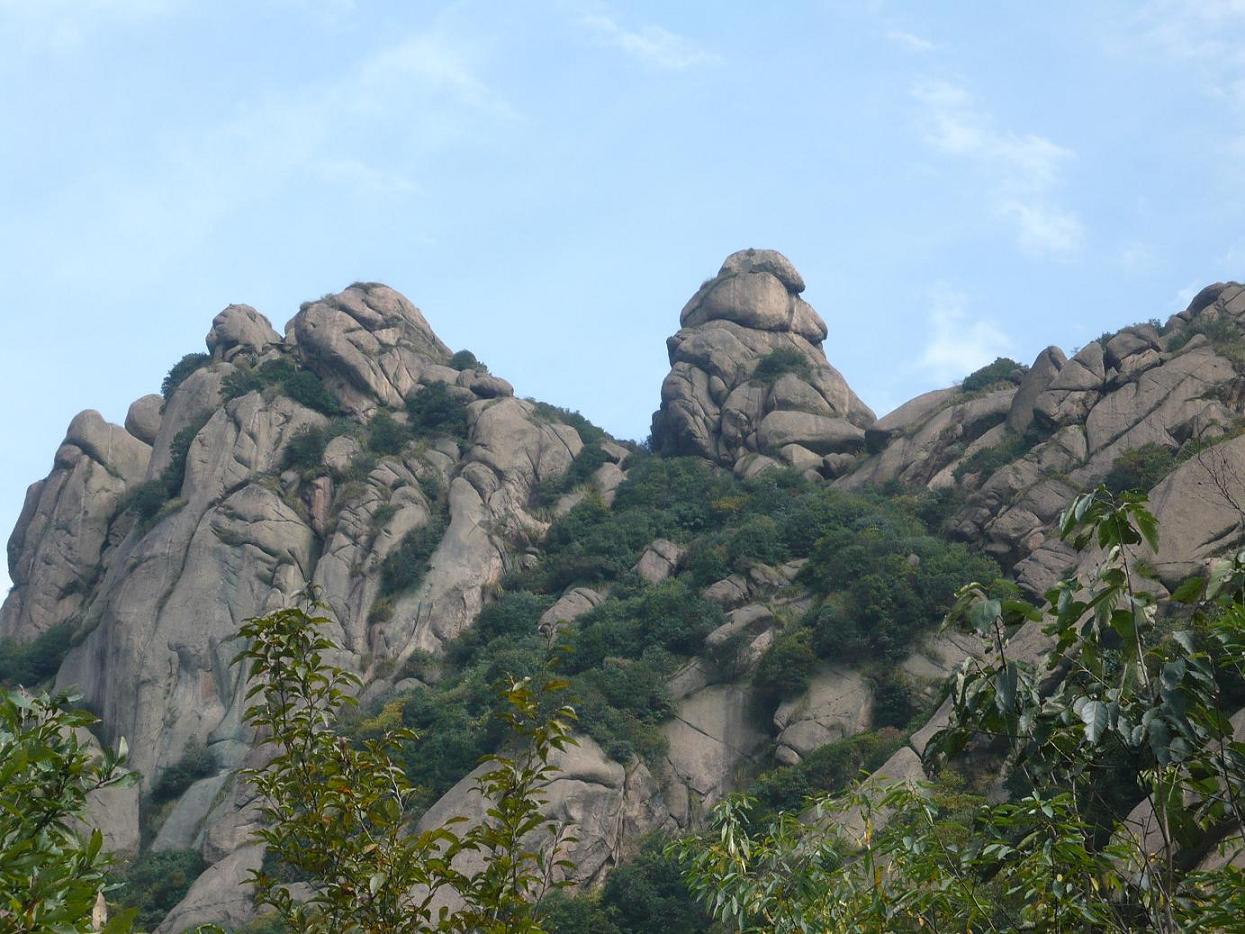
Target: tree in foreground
pixel 339 814
pixel 52 872
pixel 1128 716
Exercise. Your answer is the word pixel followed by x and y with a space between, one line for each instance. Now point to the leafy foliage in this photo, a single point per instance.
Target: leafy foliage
pixel 300 384
pixel 305 449
pixel 149 498
pixel 196 762
pixel 780 362
pixel 181 370
pixel 1002 370
pixel 786 668
pixel 154 883
pixel 827 770
pixel 436 410
pixel 1118 685
pixel 588 432
pixel 1140 468
pixel 51 873
pixel 405 566
pixel 338 813
pixel 466 360
pixel 385 435
pixel 36 661
pixel 642 895
pixel 1224 334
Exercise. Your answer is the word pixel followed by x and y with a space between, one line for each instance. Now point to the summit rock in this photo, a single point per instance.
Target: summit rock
pixel 749 385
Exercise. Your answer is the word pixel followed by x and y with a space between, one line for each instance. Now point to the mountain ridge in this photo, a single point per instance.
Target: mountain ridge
pixel 356 453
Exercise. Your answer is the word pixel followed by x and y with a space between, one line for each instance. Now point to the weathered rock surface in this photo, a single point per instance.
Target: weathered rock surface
pixel 240 329
pixel 154 603
pixel 837 704
pixel 221 895
pixel 369 343
pixel 714 404
pixel 607 806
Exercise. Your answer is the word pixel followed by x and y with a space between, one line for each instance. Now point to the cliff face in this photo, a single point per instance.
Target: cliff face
pixel 271 472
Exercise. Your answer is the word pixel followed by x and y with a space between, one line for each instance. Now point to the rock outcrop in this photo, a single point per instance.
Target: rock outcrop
pixel 749 384
pixel 248 520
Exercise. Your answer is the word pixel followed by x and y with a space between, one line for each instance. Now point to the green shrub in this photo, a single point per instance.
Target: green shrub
pixel 786 668
pixel 155 882
pixel 563 913
pixel 174 475
pixel 466 360
pixel 757 539
pixel 779 362
pixel 1224 334
pixel 588 432
pixel 405 566
pixel 306 388
pixel 182 369
pixel 385 435
pixel 301 385
pixel 196 762
pixel 305 449
pixel 669 616
pixel 827 770
pixel 36 661
pixel 1002 370
pixel 436 410
pixel 590 459
pixel 646 894
pixel 146 499
pixel 891 584
pixel 892 701
pixel 1140 468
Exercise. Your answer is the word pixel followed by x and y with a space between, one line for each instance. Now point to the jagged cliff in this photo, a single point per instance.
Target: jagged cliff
pixel 239 519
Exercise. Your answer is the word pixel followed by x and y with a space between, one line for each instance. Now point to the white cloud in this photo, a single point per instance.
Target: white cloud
pixel 651 45
pixel 959 344
pixel 910 41
pixel 1021 169
pixel 1044 228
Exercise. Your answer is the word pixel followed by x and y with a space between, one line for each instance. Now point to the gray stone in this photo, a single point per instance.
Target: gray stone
pixel 144 416
pixel 240 329
pixel 569 607
pixel 222 894
pixel 1039 376
pixel 659 560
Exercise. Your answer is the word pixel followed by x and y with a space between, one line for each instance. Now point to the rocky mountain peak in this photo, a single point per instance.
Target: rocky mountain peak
pixel 749 385
pixel 369 344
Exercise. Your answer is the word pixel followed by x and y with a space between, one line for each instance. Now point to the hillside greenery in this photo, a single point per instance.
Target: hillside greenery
pixel 1136 716
pixel 881 580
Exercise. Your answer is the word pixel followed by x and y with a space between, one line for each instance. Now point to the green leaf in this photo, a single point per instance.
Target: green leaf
pixel 1093 714
pixel 1189 591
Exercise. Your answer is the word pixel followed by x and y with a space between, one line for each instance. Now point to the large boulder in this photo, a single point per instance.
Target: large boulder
pixel 716 403
pixel 369 343
pixel 58 550
pixel 240 329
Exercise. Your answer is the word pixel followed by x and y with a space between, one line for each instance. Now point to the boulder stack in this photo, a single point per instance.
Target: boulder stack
pixel 749 385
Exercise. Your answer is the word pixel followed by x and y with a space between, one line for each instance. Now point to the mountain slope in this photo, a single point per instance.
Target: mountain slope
pixel 705 591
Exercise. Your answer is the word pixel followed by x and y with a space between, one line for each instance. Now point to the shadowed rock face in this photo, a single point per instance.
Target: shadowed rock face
pixel 796 411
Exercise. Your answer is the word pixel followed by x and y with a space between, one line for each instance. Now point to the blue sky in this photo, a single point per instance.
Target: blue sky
pixel 549 181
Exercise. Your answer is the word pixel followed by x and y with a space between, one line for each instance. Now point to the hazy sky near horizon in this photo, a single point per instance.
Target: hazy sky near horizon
pixel 549 181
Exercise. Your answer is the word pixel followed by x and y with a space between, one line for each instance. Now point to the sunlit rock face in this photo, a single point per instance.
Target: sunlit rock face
pixel 154 602
pixel 749 384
